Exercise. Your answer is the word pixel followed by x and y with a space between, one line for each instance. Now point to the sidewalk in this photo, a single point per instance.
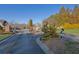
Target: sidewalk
pixel 70 37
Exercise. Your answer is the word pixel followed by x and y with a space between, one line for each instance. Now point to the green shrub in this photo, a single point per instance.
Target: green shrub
pixel 49 32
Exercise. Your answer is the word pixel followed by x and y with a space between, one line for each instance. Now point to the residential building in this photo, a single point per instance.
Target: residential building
pixel 4 25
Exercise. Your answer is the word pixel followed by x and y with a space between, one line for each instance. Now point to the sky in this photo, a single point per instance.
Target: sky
pixel 21 13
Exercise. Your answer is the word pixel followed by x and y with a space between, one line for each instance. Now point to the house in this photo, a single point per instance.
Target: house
pixel 20 26
pixel 4 25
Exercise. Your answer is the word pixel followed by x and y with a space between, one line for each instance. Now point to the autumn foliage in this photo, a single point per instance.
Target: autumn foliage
pixel 68 18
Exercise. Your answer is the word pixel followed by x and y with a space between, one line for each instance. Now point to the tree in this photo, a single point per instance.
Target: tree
pixel 66 15
pixel 30 25
pixel 30 22
pixel 75 13
pixel 76 10
pixel 61 17
pixel 62 10
pixel 49 32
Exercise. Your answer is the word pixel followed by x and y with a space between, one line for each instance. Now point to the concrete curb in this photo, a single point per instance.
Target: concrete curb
pixel 6 38
pixel 43 46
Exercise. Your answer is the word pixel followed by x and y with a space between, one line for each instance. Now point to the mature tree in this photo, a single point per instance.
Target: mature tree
pixel 30 22
pixel 75 14
pixel 66 15
pixel 61 17
pixel 76 10
pixel 30 25
pixel 62 11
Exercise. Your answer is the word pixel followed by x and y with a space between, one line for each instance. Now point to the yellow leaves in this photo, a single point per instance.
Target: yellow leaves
pixel 68 26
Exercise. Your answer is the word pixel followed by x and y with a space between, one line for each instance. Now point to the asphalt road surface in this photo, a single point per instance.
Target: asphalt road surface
pixel 20 44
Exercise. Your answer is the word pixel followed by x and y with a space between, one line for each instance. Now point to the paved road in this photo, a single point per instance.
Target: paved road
pixel 21 44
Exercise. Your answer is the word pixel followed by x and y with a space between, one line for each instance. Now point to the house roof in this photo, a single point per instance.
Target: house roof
pixel 2 21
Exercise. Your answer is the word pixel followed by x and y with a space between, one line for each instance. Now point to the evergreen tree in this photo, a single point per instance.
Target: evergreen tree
pixel 30 22
pixel 30 25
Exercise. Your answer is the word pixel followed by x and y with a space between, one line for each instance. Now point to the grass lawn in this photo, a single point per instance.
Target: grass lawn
pixel 2 36
pixel 72 47
pixel 70 31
